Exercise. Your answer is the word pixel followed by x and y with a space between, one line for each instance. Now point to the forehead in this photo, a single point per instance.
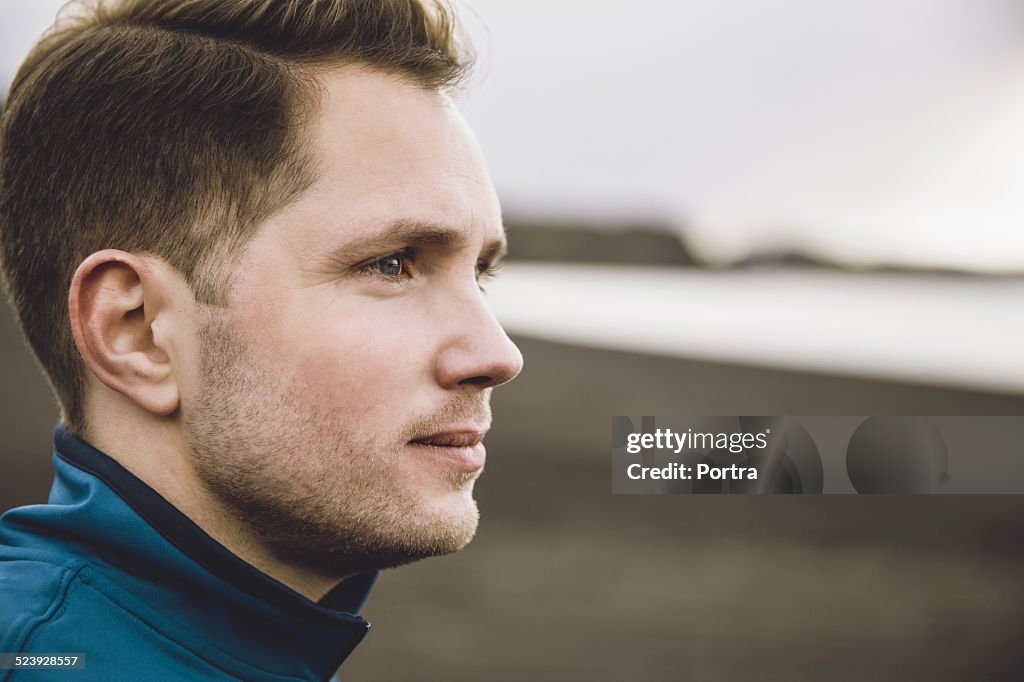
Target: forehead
pixel 384 150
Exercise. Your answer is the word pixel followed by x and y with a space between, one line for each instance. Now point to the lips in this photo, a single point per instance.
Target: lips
pixel 458 449
pixel 452 439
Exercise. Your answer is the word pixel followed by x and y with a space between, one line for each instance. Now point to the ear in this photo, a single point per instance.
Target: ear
pixel 119 303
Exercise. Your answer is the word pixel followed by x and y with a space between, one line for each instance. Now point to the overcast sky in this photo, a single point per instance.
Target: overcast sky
pixel 862 129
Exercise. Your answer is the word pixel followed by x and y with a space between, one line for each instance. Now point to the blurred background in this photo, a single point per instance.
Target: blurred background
pixel 736 207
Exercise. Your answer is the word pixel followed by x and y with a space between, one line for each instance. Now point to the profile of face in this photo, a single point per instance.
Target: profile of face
pixel 339 399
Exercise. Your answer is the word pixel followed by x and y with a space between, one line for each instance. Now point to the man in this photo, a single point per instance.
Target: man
pixel 247 241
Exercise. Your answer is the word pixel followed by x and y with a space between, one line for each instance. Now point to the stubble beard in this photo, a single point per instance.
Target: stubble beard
pixel 313 493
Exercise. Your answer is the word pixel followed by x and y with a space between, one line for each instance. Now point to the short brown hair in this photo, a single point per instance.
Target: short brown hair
pixel 173 128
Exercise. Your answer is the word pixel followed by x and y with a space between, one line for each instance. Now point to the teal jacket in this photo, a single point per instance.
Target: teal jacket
pixel 108 570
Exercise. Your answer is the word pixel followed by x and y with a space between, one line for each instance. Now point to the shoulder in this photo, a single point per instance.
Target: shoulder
pixel 75 609
pixel 33 588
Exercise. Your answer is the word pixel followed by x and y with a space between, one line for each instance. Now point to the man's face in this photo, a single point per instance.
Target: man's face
pixel 344 390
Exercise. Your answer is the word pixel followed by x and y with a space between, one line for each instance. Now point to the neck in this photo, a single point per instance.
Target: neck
pixel 164 464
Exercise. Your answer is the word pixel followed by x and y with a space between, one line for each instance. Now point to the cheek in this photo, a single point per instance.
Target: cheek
pixel 361 363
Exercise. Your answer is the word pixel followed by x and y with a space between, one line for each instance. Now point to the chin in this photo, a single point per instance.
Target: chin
pixel 455 518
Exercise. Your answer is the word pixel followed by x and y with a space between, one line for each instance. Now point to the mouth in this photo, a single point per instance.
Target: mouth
pixel 461 449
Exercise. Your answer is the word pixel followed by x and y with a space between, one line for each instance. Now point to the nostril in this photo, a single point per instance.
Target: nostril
pixel 477 381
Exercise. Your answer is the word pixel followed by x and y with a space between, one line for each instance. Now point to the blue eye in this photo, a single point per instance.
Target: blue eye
pixel 394 267
pixel 390 266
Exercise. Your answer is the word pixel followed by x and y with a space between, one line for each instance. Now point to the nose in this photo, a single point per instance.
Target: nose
pixel 478 352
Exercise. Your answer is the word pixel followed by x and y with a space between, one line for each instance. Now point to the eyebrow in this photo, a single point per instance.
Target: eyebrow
pixel 407 232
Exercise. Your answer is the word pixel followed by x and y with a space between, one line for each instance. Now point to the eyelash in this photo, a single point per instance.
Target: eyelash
pixel 407 257
pixel 485 272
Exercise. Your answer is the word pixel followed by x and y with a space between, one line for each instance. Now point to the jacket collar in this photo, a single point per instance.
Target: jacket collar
pixel 103 509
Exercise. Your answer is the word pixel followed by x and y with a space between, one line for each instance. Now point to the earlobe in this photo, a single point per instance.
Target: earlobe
pixel 115 302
